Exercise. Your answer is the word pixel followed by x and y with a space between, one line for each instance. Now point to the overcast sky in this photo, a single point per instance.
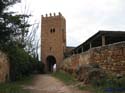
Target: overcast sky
pixel 84 18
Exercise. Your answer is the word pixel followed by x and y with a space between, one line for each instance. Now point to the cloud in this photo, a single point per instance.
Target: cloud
pixel 84 17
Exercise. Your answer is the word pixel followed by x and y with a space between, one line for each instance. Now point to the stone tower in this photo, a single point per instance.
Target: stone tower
pixel 53 40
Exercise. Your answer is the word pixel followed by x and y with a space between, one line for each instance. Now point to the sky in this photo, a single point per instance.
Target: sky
pixel 84 18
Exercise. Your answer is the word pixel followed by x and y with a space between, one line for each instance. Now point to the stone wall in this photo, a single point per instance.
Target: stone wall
pixel 4 67
pixel 110 57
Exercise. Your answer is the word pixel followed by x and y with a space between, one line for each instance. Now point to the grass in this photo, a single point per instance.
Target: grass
pixel 65 77
pixel 82 87
pixel 15 87
pixel 106 87
pixel 110 85
pixel 70 80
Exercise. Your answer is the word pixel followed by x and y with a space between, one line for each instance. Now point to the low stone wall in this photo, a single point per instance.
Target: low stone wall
pixel 4 67
pixel 110 57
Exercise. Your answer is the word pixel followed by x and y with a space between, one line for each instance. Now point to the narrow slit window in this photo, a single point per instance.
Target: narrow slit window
pixel 53 29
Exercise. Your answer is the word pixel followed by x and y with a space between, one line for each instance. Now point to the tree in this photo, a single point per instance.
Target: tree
pixel 4 4
pixel 13 30
pixel 15 39
pixel 32 42
pixel 13 27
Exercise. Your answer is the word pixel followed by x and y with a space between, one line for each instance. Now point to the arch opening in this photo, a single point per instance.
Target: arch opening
pixel 51 62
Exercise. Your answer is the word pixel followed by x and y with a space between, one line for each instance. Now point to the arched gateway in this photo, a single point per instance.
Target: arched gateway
pixel 53 40
pixel 51 61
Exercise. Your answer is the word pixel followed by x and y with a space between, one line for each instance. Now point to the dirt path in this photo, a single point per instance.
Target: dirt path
pixel 49 84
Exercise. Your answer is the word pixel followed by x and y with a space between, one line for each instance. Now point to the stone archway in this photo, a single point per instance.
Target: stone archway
pixel 51 60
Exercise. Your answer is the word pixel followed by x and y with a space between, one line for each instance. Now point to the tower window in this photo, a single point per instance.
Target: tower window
pixel 52 30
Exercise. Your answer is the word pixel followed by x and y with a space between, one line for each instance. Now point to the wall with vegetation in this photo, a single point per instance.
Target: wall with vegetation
pixel 110 57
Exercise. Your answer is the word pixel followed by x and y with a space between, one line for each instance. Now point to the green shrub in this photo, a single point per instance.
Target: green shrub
pixel 21 63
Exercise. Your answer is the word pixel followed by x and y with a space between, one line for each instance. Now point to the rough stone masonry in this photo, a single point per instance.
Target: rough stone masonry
pixel 110 57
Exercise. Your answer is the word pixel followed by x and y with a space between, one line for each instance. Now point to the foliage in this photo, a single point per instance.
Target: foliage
pixel 13 31
pixel 40 67
pixel 13 27
pixel 21 64
pixel 111 84
pixel 5 3
pixel 11 88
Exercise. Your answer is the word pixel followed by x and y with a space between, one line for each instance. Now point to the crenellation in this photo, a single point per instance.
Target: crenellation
pixel 60 14
pixel 46 15
pixel 52 15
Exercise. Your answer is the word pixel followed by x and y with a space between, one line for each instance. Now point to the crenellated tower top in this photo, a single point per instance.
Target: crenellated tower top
pixel 52 15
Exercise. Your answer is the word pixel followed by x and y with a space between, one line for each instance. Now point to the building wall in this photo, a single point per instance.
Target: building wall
pixel 4 67
pixel 53 43
pixel 110 57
